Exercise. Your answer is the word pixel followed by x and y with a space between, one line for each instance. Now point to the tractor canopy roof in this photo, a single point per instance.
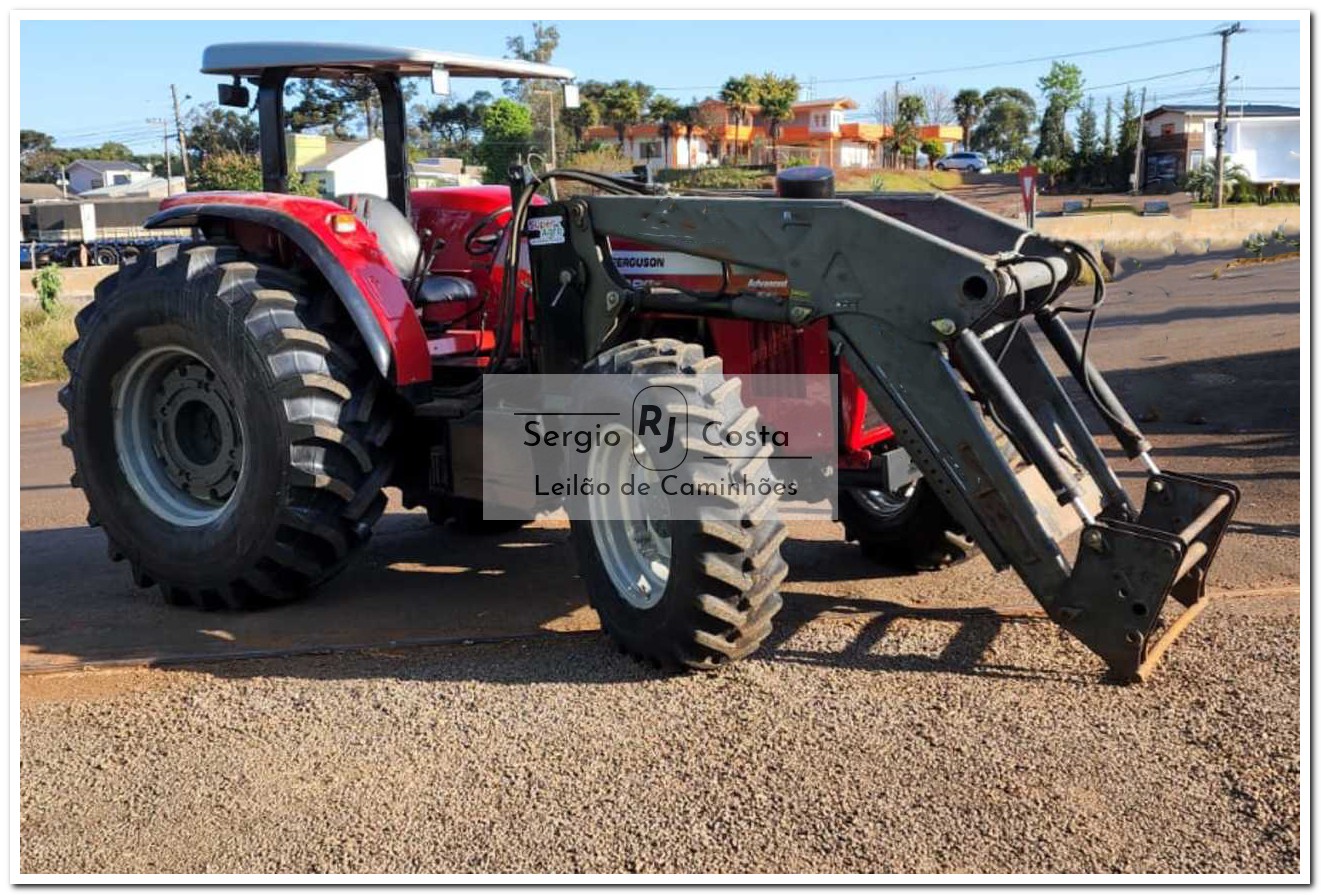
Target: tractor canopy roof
pixel 331 60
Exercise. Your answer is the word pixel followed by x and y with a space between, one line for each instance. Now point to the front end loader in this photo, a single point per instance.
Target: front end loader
pixel 931 303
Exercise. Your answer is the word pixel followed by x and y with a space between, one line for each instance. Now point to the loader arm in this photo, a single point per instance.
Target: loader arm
pixel 934 326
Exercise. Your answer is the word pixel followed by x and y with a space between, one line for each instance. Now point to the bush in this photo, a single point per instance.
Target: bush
pixel 242 172
pixel 1255 244
pixel 1200 183
pixel 721 178
pixel 602 160
pixel 48 282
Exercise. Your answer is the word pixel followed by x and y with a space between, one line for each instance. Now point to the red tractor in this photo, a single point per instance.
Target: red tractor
pixel 237 404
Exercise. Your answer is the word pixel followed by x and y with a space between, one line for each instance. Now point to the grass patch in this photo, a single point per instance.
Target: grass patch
pixel 890 180
pixel 42 340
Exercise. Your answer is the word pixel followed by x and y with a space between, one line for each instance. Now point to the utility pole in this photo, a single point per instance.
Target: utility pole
pixel 1235 28
pixel 553 162
pixel 165 144
pixel 178 128
pixel 1137 153
pixel 894 128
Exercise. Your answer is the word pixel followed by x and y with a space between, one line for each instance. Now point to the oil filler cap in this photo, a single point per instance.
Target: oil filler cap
pixel 805 183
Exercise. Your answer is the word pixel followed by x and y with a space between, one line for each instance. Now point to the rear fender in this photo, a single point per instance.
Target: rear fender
pixel 352 263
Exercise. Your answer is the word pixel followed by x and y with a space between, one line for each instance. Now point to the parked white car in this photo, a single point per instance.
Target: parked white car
pixel 963 161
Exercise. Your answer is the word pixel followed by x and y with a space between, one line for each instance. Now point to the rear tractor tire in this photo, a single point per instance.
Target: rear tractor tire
pixel 910 530
pixel 228 429
pixel 682 593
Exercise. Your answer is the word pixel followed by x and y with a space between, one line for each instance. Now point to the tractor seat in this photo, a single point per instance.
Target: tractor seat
pixel 394 233
pixel 400 244
pixel 439 288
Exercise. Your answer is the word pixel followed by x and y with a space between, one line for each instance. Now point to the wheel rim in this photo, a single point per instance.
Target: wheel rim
pixel 178 438
pixel 631 532
pixel 885 503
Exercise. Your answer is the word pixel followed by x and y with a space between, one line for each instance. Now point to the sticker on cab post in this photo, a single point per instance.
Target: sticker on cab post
pixel 546 231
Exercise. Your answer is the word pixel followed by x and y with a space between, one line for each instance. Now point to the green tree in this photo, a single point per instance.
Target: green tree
pixel 543 98
pixel 777 95
pixel 663 111
pixel 968 104
pixel 1087 153
pixel 621 108
pixel 906 138
pixel 341 107
pixel 588 113
pixel 739 96
pixel 1055 142
pixel 1108 132
pixel 212 129
pixel 1006 125
pixel 1063 83
pixel 1062 86
pixel 506 137
pixel 453 127
pixel 1128 126
pixel 934 151
pixel 34 141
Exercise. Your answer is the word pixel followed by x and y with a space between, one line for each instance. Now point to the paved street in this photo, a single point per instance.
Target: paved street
pixel 892 723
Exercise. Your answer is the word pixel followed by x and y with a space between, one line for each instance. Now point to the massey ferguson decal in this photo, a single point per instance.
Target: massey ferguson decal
pixel 640 265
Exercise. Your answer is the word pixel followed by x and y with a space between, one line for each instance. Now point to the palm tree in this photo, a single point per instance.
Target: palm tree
pixel 777 105
pixel 621 107
pixel 686 118
pixel 588 113
pixel 663 111
pixel 739 95
pixel 968 105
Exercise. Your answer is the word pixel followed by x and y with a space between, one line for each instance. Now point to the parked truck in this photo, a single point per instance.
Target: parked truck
pixel 82 233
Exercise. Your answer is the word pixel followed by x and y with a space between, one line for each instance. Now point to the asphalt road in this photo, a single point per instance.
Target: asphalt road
pixel 892 723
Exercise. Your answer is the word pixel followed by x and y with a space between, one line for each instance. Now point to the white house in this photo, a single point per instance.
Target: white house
pixel 1265 139
pixel 92 174
pixel 144 188
pixel 344 166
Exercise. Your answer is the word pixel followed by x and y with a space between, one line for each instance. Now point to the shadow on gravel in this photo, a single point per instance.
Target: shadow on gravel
pixel 417 587
pixel 1247 393
pixel 878 646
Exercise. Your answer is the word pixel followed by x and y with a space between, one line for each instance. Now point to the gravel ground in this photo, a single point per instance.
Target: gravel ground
pixel 923 741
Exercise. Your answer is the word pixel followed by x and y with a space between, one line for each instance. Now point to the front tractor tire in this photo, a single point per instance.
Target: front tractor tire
pixel 228 430
pixel 682 593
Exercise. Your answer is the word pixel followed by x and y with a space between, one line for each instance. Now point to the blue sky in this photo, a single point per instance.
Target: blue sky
pixel 138 60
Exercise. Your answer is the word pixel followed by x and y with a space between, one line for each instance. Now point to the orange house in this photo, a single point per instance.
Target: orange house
pixel 817 132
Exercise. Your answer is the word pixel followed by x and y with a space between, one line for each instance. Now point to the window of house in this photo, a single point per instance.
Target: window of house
pixel 1167 130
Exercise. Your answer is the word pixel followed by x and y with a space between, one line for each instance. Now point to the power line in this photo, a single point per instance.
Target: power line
pixel 985 65
pixel 1148 78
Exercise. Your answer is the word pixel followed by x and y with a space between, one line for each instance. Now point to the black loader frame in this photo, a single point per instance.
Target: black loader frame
pixel 928 299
